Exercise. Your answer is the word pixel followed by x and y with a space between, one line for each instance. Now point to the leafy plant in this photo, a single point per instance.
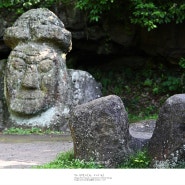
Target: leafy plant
pixel 148 82
pixel 139 160
pixel 95 8
pixel 146 13
pixel 28 131
pixel 150 13
pixel 142 92
pixel 20 6
pixel 67 160
pixel 182 63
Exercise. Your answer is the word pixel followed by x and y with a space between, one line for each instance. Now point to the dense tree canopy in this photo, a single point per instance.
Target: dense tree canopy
pixel 146 13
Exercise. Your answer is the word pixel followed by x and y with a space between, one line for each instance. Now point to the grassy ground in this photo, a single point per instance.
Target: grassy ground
pixel 67 160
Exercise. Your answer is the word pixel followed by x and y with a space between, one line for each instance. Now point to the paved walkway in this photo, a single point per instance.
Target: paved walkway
pixel 20 152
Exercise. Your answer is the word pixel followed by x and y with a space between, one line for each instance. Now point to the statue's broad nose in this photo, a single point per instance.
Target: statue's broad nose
pixel 31 78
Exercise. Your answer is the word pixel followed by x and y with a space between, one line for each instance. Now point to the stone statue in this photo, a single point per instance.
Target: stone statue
pixel 39 89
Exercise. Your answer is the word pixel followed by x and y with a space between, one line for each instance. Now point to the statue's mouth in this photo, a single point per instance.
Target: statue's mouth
pixel 29 95
pixel 28 102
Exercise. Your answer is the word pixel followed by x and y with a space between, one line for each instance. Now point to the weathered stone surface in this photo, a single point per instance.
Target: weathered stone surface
pixel 36 85
pixel 39 89
pixel 166 146
pixel 100 131
pixel 84 87
pixel 141 133
pixel 38 25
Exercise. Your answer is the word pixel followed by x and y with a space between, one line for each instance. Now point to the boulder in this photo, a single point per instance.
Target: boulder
pixel 141 133
pixel 39 89
pixel 166 146
pixel 100 131
pixel 84 87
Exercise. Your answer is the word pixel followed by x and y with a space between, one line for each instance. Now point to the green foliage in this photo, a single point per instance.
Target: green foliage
pixel 146 13
pixel 20 6
pixel 139 160
pixel 67 160
pixel 182 63
pixel 28 131
pixel 151 13
pixel 95 8
pixel 142 91
pixel 166 81
pixel 180 164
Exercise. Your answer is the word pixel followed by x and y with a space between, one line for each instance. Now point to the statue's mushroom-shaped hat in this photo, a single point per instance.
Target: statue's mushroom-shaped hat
pixel 38 25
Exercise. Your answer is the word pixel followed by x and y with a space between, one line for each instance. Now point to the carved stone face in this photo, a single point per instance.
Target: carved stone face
pixel 31 79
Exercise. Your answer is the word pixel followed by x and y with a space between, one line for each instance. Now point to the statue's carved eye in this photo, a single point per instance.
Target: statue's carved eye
pixel 18 64
pixel 45 65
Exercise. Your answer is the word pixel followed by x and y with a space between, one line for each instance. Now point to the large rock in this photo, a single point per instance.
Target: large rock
pixel 100 131
pixel 84 87
pixel 166 146
pixel 141 133
pixel 39 89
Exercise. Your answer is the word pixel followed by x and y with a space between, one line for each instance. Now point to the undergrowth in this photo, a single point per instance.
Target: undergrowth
pixel 143 91
pixel 66 160
pixel 29 131
pixel 140 159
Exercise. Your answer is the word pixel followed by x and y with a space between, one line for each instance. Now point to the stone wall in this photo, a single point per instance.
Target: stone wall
pixel 125 43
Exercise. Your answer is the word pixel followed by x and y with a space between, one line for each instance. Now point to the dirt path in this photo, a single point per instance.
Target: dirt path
pixel 30 150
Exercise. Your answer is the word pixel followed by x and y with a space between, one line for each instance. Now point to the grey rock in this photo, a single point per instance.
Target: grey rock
pixel 100 131
pixel 167 143
pixel 38 25
pixel 84 87
pixel 141 133
pixel 72 17
pixel 122 34
pixel 39 89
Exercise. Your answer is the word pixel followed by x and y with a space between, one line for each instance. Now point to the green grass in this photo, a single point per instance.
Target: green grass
pixel 29 131
pixel 66 160
pixel 136 118
pixel 140 159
